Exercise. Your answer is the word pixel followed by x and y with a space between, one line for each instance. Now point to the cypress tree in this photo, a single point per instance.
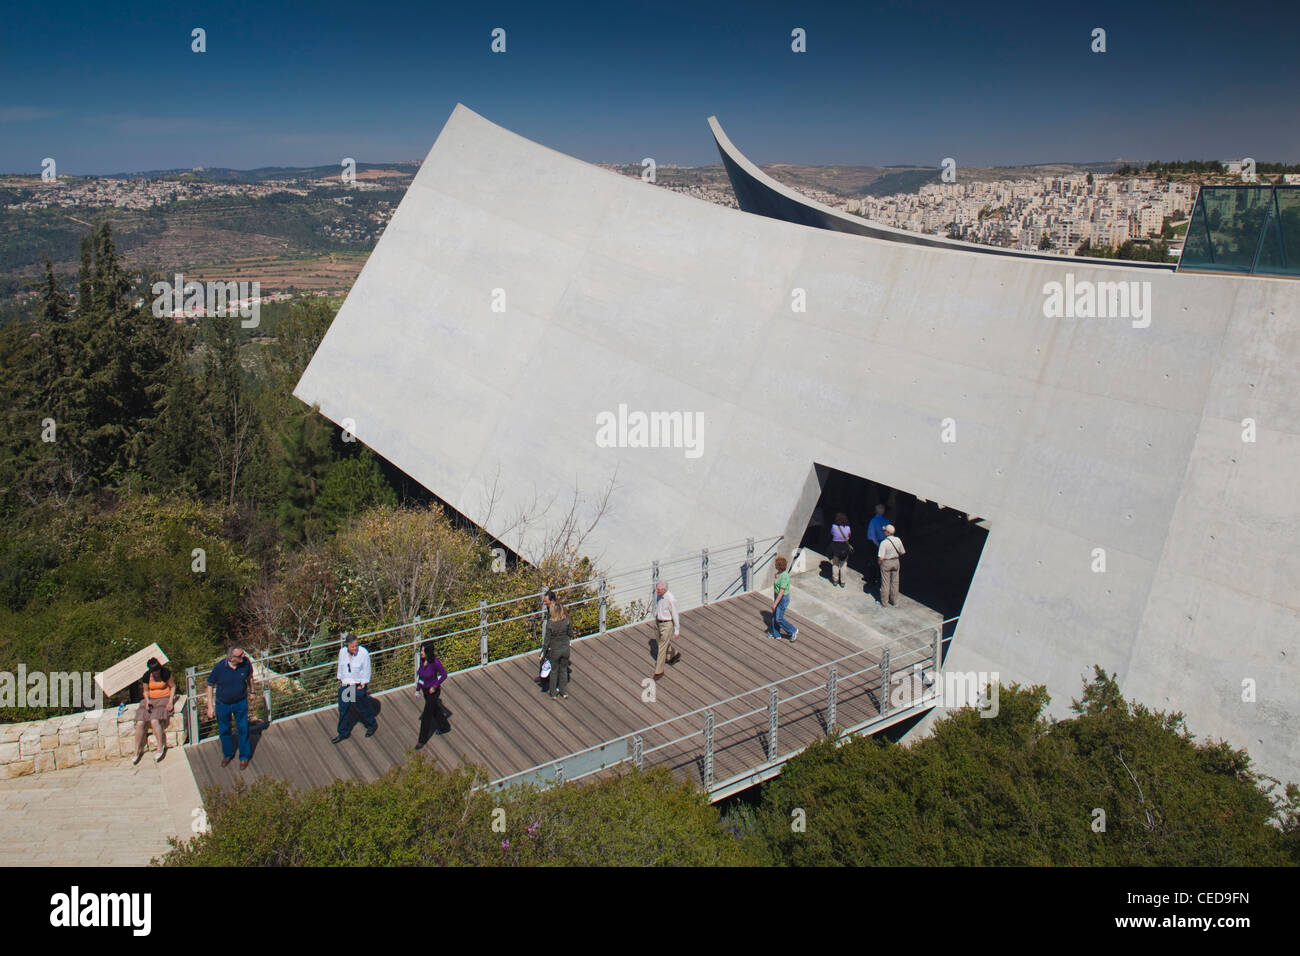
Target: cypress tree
pixel 227 407
pixel 85 295
pixel 305 458
pixel 120 377
pixel 177 459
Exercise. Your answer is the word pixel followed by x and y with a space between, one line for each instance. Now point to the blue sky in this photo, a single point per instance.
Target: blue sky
pixel 110 88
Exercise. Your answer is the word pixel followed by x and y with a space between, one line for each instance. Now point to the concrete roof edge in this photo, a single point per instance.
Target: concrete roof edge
pixel 955 245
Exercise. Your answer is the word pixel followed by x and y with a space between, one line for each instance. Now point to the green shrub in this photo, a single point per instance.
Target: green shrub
pixel 421 815
pixel 1017 789
pixel 112 580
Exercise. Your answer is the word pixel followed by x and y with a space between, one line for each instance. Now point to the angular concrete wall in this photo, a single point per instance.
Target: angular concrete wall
pixel 1072 434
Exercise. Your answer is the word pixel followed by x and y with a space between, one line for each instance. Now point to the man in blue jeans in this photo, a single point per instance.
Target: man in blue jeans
pixel 875 534
pixel 354 676
pixel 229 681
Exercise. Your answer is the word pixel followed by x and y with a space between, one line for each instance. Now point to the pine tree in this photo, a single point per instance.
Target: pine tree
pixel 120 371
pixel 178 459
pixel 55 346
pixel 20 429
pixel 352 486
pixel 54 307
pixel 43 457
pixel 305 459
pixel 227 407
pixel 111 283
pixel 85 294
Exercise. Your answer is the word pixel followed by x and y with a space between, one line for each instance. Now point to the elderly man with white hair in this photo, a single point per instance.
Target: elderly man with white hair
pixel 669 625
pixel 891 549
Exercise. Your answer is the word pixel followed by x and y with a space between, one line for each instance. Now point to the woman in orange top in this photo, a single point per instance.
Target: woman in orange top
pixel 156 704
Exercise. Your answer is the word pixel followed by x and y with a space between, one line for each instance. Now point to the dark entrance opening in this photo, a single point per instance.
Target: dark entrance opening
pixel 943 544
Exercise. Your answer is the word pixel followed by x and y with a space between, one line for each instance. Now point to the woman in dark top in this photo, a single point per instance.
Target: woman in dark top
pixel 156 704
pixel 559 629
pixel 428 684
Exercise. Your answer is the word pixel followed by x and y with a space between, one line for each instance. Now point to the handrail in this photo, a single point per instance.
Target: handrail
pixel 641 732
pixel 502 781
pixel 603 584
pixel 476 609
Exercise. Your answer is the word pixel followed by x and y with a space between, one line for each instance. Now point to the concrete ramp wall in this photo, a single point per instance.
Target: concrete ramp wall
pixel 1072 434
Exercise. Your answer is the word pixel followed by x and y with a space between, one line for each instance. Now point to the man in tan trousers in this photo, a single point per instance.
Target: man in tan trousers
pixel 891 549
pixel 669 626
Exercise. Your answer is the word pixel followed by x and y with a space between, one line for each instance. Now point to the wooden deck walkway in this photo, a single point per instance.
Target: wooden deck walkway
pixel 502 720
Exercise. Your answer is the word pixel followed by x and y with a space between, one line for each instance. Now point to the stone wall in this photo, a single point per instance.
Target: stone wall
pixel 56 743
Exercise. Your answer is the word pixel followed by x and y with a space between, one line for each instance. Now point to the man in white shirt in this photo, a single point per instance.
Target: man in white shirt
pixel 669 626
pixel 891 549
pixel 354 676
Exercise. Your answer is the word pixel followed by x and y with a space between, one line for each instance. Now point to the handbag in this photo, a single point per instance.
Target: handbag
pixel 546 669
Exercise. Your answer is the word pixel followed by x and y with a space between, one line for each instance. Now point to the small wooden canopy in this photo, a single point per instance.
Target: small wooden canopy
pixel 126 672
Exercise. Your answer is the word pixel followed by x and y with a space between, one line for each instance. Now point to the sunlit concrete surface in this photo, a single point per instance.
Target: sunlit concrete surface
pixel 1072 434
pixel 103 813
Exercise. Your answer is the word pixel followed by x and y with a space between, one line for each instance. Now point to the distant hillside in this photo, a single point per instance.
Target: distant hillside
pixel 163 236
pixel 907 181
pixel 291 228
pixel 265 173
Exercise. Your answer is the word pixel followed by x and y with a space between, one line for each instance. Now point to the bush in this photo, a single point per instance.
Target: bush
pixel 1017 789
pixel 421 815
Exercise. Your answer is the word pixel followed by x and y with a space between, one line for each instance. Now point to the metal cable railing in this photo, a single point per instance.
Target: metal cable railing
pixel 301 680
pixel 895 656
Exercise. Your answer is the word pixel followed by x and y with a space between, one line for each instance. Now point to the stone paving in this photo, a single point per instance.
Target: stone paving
pixel 97 814
pixel 852 612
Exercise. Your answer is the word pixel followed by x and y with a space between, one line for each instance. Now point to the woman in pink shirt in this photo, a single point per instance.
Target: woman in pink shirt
pixel 840 547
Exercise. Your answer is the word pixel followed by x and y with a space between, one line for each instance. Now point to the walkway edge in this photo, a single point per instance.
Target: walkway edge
pixel 181 791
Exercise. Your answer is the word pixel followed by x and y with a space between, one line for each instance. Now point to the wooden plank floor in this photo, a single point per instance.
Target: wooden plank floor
pixel 503 721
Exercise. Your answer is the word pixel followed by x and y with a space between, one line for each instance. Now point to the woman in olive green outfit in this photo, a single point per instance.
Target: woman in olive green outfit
pixel 559 629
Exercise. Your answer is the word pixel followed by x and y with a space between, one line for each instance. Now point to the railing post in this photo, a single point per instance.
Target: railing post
pixel 191 705
pixel 415 644
pixel 638 752
pixel 546 617
pixel 831 688
pixel 749 564
pixel 884 682
pixel 771 725
pixel 604 602
pixel 708 749
pixel 704 575
pixel 934 659
pixel 654 584
pixel 252 688
pixel 482 632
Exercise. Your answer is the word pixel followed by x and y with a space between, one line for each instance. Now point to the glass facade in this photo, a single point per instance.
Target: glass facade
pixel 1250 230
